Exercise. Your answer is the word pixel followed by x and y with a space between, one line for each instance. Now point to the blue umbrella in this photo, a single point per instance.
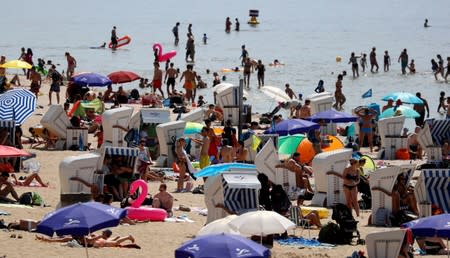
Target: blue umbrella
pixel 17 104
pixel 405 97
pixel 221 246
pixel 80 219
pixel 332 116
pixel 217 169
pixel 402 110
pixel 292 126
pixel 438 225
pixel 91 80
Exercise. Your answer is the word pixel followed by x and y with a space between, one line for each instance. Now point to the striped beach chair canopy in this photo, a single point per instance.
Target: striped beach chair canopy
pixel 434 188
pixel 130 154
pixel 10 127
pixel 440 131
pixel 240 192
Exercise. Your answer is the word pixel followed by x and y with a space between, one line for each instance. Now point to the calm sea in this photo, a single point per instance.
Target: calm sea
pixel 305 35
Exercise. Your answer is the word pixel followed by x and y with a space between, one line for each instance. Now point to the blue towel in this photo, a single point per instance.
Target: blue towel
pixel 300 241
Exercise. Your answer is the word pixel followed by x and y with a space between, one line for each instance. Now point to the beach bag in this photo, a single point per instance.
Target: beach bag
pixel 382 218
pixel 31 198
pixel 330 234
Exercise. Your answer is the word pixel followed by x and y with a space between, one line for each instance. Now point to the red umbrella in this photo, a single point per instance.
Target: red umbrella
pixel 8 151
pixel 123 76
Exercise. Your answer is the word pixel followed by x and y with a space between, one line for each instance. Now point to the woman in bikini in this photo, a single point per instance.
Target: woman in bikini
pixel 365 125
pixel 351 181
pixel 181 162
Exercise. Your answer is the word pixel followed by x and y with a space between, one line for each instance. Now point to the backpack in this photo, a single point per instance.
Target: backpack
pixel 330 234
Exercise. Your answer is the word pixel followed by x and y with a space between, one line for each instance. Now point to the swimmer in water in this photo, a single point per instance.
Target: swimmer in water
pixel 425 25
pixel 103 45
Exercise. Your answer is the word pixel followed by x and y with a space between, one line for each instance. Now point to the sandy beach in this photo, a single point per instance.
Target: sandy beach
pixel 157 239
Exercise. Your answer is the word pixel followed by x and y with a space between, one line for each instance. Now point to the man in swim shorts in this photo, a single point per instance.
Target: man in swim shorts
pixel 36 81
pixel 71 64
pixel 163 199
pixel 55 86
pixel 373 60
pixel 171 75
pixel 175 33
pixel 157 79
pixel 113 38
pixel 189 82
pixel 421 108
pixel 205 142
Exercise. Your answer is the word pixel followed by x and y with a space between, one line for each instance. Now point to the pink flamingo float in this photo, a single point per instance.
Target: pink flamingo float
pixel 163 57
pixel 137 212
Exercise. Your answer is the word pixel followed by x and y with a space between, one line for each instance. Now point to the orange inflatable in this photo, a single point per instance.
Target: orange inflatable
pixel 306 150
pixel 125 40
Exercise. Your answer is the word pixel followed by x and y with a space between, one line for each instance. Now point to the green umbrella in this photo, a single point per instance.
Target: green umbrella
pixel 288 144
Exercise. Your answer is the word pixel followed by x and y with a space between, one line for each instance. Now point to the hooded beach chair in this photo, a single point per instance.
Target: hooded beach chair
pixel 385 244
pixel 433 188
pixel 390 130
pixel 386 179
pixel 433 151
pixel 9 127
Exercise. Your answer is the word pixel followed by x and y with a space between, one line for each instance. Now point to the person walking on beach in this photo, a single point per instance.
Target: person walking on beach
pixel 354 61
pixel 29 59
pixel 261 70
pixel 175 33
pixel 157 79
pixel 181 162
pixel 227 25
pixel 338 95
pixel 190 48
pixel 71 64
pixel 55 86
pixel 247 71
pixel 386 61
pixel 22 58
pixel 114 38
pixel 403 59
pixel 237 24
pixel 363 62
pixel 36 81
pixel 171 76
pixel 205 142
pixel 421 108
pixel 244 55
pixel 373 60
pixel 189 81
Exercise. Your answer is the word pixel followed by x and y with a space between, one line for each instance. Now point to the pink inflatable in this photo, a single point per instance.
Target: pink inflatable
pixel 141 213
pixel 163 57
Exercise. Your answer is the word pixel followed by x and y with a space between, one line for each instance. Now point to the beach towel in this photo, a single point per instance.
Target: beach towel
pixel 12 205
pixel 182 218
pixel 4 213
pixel 303 242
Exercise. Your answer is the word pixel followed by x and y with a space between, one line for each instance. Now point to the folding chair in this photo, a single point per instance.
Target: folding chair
pixel 299 220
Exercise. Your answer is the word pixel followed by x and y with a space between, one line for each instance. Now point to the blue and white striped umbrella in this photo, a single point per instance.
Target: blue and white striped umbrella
pixel 17 104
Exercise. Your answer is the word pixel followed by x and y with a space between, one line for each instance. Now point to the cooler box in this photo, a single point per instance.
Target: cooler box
pixel 56 121
pixel 118 116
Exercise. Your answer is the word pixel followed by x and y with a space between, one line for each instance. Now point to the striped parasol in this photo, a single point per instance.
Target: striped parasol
pixel 17 104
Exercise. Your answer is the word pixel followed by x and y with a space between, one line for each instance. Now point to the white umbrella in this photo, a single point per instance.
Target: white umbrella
pixel 261 223
pixel 219 226
pixel 276 93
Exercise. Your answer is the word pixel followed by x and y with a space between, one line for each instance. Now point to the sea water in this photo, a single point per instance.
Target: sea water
pixel 305 35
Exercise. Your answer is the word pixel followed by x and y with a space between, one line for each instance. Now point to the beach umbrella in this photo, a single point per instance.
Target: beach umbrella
pixel 16 64
pixel 403 110
pixel 17 104
pixel 9 151
pixel 123 77
pixel 193 128
pixel 221 246
pixel 91 80
pixel 333 116
pixel 220 168
pixel 405 97
pixel 288 144
pixel 218 226
pixel 276 93
pixel 292 126
pixel 261 223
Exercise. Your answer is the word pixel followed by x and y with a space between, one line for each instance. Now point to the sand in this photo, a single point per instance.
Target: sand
pixel 157 239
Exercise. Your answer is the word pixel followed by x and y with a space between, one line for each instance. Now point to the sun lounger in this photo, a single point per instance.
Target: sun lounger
pixel 385 244
pixel 433 187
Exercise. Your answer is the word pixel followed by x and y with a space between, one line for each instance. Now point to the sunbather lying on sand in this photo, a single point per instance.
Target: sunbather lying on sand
pixel 26 181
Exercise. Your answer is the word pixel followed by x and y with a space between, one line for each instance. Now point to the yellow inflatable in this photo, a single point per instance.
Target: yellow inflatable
pixel 323 212
pixel 338 59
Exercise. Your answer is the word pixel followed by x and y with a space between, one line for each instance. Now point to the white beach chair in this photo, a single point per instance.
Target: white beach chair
pixel 10 127
pixel 386 179
pixel 390 130
pixel 434 152
pixel 118 116
pixel 433 187
pixel 385 244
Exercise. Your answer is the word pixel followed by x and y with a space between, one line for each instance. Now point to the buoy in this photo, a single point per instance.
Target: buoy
pixel 338 59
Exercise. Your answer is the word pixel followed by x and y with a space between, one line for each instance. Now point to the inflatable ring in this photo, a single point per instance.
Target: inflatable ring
pixel 125 40
pixel 323 212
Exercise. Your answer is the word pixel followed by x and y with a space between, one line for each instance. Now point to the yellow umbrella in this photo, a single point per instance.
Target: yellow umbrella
pixel 18 64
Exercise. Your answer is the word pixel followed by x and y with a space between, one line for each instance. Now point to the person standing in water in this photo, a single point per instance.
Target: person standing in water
pixel 190 48
pixel 421 108
pixel 244 55
pixel 190 30
pixel 171 75
pixel 237 24
pixel 364 62
pixel 425 25
pixel 403 59
pixel 373 60
pixel 189 82
pixel 175 33
pixel 338 95
pixel 247 71
pixel 114 38
pixel 448 69
pixel 261 70
pixel 227 25
pixel 354 61
pixel 386 61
